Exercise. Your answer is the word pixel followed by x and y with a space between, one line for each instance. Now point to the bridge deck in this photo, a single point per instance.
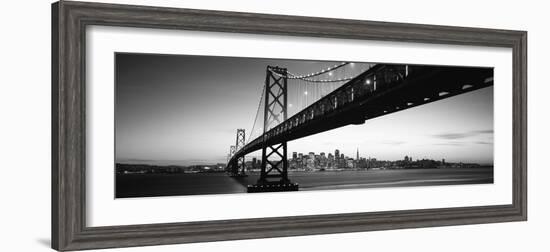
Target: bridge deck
pixel 381 90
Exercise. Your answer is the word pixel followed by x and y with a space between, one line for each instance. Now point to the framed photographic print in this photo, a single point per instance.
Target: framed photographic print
pixel 178 125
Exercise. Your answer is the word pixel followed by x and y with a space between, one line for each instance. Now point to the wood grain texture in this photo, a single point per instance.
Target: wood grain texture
pixel 69 20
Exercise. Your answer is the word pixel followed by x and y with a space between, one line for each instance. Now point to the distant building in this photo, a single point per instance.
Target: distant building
pixel 330 161
pixel 349 163
pixel 311 161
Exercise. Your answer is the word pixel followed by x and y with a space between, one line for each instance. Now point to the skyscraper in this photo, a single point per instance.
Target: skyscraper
pixel 356 163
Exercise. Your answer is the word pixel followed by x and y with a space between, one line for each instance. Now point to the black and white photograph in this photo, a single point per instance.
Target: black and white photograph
pixel 275 126
pixel 194 125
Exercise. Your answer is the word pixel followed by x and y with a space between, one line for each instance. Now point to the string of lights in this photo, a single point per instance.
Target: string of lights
pixel 328 80
pixel 308 77
pixel 295 76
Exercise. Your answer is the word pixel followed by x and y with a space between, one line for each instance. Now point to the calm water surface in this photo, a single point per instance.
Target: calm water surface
pixel 148 185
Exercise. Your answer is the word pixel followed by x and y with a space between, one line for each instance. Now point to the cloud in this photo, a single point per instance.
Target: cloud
pixel 483 142
pixel 457 143
pixel 450 144
pixel 490 131
pixel 452 136
pixel 462 135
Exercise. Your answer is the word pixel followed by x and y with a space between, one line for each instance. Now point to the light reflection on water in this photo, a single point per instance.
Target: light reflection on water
pixel 144 185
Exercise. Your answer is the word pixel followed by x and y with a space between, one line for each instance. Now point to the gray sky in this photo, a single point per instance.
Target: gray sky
pixel 186 109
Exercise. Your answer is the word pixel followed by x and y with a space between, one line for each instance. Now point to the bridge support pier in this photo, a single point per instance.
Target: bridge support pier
pixel 274 167
pixel 274 172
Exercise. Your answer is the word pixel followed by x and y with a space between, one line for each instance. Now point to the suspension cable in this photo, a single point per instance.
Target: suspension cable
pixel 257 112
pixel 307 77
pixel 328 80
pixel 332 68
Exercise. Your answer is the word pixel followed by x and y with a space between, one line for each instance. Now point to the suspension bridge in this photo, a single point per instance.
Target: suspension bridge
pixel 294 106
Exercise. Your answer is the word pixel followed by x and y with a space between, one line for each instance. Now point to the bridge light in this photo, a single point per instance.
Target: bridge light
pixel 466 87
pixel 426 99
pixel 443 93
pixel 305 93
pixel 367 81
pixel 352 64
pixel 290 105
pixel 330 74
pixel 409 103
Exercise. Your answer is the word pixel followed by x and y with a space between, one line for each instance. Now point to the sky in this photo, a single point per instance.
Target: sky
pixel 184 110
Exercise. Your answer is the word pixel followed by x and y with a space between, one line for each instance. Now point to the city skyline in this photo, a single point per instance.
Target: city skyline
pixel 166 103
pixel 305 154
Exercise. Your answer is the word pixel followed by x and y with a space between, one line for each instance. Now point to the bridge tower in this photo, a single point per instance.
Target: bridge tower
pixel 239 168
pixel 274 165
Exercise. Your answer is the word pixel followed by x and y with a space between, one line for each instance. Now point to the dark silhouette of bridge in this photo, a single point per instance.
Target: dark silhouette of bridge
pixel 380 90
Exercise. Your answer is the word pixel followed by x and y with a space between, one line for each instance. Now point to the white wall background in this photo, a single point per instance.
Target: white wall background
pixel 25 126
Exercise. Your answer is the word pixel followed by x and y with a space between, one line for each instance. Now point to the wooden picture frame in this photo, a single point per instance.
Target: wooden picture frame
pixel 69 20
